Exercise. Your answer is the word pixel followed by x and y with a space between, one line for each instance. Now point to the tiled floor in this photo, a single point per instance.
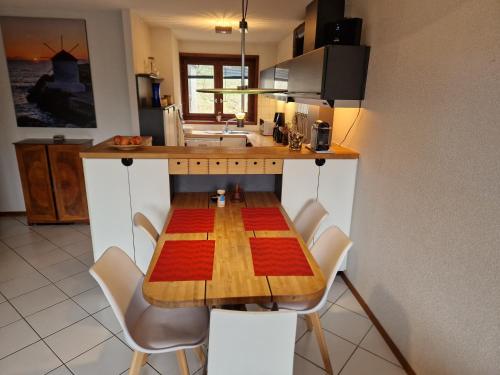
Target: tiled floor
pixel 55 320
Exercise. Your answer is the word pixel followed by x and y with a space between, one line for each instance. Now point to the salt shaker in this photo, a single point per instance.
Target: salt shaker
pixel 221 198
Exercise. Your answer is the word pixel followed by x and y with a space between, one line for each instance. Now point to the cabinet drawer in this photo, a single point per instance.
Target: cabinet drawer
pixel 255 166
pixel 198 166
pixel 273 166
pixel 236 166
pixel 217 166
pixel 178 166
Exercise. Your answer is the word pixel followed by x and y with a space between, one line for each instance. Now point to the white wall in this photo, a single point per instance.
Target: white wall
pixel 111 95
pixel 141 43
pixel 285 49
pixel 426 220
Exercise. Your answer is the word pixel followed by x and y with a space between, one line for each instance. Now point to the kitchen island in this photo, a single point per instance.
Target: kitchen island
pixel 120 183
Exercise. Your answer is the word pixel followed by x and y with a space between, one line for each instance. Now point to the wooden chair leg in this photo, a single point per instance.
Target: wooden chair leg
pixel 182 361
pixel 309 323
pixel 137 360
pixel 323 348
pixel 145 359
pixel 201 354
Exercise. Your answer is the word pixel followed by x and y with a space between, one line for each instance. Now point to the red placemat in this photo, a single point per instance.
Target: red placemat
pixel 268 218
pixel 192 220
pixel 279 257
pixel 185 261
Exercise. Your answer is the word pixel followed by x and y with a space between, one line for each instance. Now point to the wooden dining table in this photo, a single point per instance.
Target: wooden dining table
pixel 233 278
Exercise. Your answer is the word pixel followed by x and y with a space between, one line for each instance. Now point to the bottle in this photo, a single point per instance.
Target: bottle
pixel 221 198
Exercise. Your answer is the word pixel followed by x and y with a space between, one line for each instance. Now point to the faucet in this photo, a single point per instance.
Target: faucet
pixel 226 127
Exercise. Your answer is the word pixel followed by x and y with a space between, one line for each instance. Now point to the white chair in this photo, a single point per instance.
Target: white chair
pixel 143 222
pixel 147 329
pixel 309 219
pixel 329 252
pixel 251 343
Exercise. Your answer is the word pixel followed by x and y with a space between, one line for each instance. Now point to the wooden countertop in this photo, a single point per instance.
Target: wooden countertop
pixel 103 151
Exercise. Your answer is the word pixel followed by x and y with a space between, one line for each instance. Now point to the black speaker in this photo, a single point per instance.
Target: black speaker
pixel 346 31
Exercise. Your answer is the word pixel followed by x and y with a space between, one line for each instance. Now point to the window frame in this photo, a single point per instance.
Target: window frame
pixel 218 60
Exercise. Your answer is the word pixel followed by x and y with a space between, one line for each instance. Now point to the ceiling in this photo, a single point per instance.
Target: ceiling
pixel 268 20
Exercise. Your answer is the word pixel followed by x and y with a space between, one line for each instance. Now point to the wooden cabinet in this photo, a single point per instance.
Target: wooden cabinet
pixel 52 180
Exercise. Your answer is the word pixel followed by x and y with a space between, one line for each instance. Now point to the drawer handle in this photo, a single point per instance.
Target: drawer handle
pixel 236 163
pixel 254 163
pixel 217 162
pixel 197 163
pixel 178 163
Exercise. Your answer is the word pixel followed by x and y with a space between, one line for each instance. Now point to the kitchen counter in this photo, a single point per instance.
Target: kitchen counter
pixel 104 151
pixel 254 138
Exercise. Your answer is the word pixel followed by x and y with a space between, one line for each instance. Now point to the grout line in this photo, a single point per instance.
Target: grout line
pixel 311 362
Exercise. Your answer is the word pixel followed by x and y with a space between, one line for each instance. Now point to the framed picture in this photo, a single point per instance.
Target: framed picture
pixel 49 71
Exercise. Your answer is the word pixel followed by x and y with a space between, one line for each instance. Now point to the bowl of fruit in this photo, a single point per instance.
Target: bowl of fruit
pixel 122 142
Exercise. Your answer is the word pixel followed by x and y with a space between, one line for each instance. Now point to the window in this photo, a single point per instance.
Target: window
pixel 216 71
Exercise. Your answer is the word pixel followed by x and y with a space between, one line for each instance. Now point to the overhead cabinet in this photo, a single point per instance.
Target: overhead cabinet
pixel 329 73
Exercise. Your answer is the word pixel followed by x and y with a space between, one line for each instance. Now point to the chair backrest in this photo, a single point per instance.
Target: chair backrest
pixel 309 219
pixel 121 282
pixel 329 251
pixel 251 343
pixel 143 222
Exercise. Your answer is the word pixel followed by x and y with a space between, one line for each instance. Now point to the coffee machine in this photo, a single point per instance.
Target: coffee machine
pixel 321 135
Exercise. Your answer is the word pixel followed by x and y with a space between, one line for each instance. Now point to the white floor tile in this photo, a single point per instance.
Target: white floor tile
pixel 338 288
pixel 34 360
pixel 92 300
pixel 77 338
pixel 22 219
pixel 373 342
pixel 87 259
pixel 61 370
pixel 16 336
pixel 66 237
pixel 2 299
pixel 23 284
pixel 145 370
pixel 301 328
pixel 63 269
pixel 365 363
pixel 166 363
pixel 108 319
pixel 304 367
pixel 55 318
pixel 12 266
pixel 345 323
pixel 82 228
pixel 7 314
pixel 110 357
pixel 49 258
pixel 77 284
pixel 79 248
pixel 11 227
pixel 33 250
pixel 22 239
pixel 339 350
pixel 348 301
pixel 37 300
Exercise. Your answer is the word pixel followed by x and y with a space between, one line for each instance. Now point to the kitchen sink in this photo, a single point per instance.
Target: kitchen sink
pixel 221 132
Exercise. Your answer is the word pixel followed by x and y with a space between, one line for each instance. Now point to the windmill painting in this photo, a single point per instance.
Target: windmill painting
pixel 49 71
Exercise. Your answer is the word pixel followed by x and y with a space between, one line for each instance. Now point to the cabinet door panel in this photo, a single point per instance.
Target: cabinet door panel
pixel 300 180
pixel 150 195
pixel 336 193
pixel 35 179
pixel 68 182
pixel 106 181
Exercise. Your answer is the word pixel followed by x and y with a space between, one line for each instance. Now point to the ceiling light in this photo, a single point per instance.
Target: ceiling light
pixel 223 29
pixel 243 89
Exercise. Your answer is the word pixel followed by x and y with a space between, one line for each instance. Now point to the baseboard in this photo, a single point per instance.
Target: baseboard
pixel 13 213
pixel 395 350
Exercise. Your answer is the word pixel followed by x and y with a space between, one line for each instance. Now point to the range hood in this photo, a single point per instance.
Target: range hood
pixel 326 74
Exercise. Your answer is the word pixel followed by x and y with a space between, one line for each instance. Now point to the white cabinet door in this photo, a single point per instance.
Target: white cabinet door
pixel 106 182
pixel 299 185
pixel 336 192
pixel 150 194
